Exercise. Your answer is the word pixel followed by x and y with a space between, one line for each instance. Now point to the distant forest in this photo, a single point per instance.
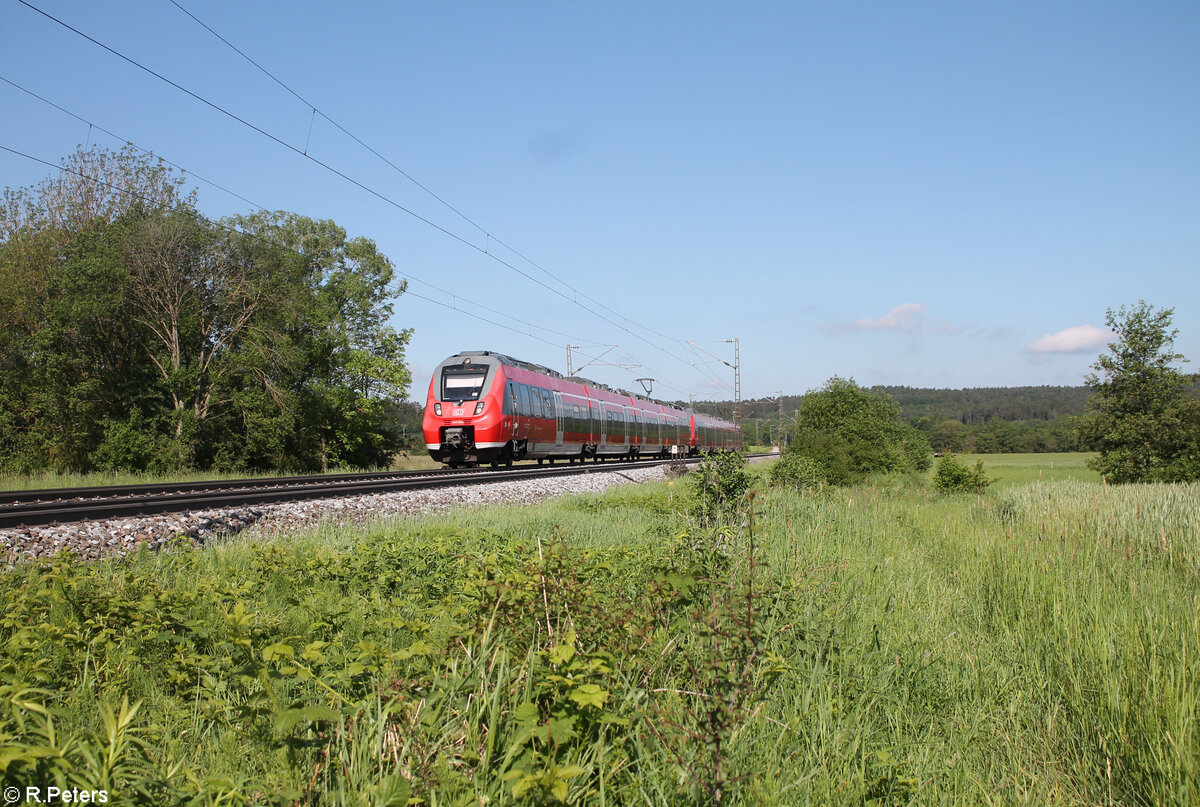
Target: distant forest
pixel 987 420
pixel 981 404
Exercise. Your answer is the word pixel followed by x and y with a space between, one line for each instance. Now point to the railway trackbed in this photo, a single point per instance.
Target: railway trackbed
pixel 28 508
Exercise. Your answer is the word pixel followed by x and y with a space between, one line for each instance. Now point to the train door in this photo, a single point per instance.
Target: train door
pixel 558 419
pixel 512 408
pixel 525 402
pixel 603 424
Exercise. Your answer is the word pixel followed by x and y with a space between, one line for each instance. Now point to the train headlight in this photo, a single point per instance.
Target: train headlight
pixel 437 409
pixel 479 408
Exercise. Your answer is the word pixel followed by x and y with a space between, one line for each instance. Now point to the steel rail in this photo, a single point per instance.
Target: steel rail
pixel 35 508
pixel 113 491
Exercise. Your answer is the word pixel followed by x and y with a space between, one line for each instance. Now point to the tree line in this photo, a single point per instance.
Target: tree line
pixel 1142 418
pixel 978 405
pixel 136 334
pixel 992 420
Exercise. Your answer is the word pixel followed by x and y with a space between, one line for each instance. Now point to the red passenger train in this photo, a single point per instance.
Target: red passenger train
pixel 487 407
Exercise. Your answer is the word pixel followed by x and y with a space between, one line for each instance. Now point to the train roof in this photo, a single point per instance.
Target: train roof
pixel 537 368
pixel 511 362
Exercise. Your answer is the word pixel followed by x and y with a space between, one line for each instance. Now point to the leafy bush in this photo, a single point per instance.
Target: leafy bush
pixel 954 477
pixel 852 432
pixel 509 655
pixel 129 445
pixel 720 481
pixel 795 470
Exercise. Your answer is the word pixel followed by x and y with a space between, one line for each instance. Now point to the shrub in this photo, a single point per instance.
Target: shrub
pixel 795 470
pixel 721 480
pixel 129 446
pixel 852 432
pixel 830 453
pixel 954 477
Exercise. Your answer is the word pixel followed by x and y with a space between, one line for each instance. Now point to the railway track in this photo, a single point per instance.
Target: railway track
pixel 28 508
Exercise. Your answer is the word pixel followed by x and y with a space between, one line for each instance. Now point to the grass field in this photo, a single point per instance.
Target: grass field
pixel 1021 469
pixel 875 645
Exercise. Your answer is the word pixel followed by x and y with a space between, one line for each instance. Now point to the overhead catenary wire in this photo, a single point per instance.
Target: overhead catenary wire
pixel 407 275
pixel 190 211
pixel 488 234
pixel 334 123
pixel 300 152
pixel 572 298
pixel 115 136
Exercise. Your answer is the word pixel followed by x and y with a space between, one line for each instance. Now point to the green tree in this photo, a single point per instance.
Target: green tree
pixel 193 300
pixel 325 365
pixel 851 432
pixel 948 436
pixel 1143 414
pixel 135 333
pixel 68 360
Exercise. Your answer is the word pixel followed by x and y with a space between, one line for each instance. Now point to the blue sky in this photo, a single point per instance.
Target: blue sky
pixel 920 193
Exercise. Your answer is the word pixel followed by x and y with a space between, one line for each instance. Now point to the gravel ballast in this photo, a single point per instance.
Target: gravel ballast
pixel 93 540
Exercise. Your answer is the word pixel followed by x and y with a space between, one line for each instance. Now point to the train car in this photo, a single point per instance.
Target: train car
pixel 485 407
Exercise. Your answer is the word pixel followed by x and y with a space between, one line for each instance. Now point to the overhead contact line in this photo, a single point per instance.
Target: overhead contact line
pixel 381 196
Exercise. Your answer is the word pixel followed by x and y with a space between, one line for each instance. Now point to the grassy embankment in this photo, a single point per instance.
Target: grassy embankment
pixel 1035 645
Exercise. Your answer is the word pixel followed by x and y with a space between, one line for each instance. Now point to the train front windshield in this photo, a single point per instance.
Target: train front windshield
pixel 463 384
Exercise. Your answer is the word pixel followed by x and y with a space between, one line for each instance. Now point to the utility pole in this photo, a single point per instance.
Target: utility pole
pixel 737 373
pixel 780 394
pixel 737 380
pixel 570 371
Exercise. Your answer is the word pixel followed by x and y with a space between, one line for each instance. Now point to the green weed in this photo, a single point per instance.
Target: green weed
pixel 877 644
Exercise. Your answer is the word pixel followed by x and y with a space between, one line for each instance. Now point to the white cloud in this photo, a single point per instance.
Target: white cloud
pixel 1080 339
pixel 907 317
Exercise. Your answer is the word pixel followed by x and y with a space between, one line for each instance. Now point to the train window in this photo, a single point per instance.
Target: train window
pixel 535 402
pixel 462 383
pixel 548 403
pixel 522 400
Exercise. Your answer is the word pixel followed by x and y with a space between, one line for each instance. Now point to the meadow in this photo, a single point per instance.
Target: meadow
pixel 1021 469
pixel 882 644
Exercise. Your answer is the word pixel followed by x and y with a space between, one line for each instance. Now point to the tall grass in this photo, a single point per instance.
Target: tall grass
pixel 877 645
